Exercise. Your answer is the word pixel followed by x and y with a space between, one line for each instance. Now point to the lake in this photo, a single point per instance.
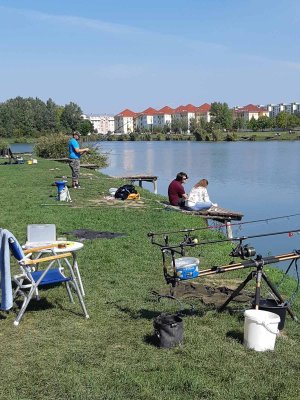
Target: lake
pixel 259 179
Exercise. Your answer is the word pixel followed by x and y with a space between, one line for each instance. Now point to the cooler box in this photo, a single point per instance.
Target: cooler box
pixel 187 267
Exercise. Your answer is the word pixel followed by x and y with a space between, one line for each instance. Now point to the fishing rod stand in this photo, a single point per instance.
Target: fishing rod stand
pixel 259 275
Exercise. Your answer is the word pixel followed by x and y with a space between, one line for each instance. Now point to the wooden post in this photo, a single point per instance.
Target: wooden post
pixel 155 186
pixel 228 229
pixel 140 183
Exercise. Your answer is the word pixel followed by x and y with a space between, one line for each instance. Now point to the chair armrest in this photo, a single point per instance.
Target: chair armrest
pixel 36 249
pixel 44 259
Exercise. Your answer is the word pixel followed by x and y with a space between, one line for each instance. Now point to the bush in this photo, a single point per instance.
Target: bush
pixel 56 146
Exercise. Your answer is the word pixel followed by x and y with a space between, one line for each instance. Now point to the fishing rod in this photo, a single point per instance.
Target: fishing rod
pixel 222 225
pixel 242 251
pixel 176 275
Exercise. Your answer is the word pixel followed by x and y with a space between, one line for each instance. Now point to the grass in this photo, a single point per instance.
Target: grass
pixel 56 354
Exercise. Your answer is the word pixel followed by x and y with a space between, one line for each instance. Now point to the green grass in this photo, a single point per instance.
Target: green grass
pixel 56 354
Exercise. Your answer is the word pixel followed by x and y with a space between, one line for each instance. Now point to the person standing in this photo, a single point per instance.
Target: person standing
pixel 198 198
pixel 75 153
pixel 176 192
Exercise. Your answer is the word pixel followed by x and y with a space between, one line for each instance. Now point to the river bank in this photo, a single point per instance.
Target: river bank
pixel 111 356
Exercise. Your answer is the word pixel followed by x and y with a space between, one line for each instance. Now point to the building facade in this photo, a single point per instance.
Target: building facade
pixel 103 124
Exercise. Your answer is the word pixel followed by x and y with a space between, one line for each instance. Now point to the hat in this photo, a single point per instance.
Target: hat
pixel 76 133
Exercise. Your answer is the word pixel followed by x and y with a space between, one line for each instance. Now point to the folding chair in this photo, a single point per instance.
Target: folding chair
pixel 30 279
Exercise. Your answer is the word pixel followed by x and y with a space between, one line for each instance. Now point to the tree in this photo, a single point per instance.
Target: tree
pixel 222 115
pixel 263 123
pixel 71 116
pixel 252 124
pixel 85 126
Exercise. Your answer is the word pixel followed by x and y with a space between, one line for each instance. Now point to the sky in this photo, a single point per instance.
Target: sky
pixel 110 55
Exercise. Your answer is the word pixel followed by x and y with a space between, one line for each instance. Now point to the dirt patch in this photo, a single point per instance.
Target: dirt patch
pixel 84 234
pixel 209 295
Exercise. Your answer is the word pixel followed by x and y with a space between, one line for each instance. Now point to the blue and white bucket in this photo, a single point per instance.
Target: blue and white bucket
pixel 187 267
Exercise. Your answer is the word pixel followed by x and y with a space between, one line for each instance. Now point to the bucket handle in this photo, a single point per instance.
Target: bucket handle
pixel 267 326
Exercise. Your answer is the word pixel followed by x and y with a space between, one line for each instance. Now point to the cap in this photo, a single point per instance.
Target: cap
pixel 76 133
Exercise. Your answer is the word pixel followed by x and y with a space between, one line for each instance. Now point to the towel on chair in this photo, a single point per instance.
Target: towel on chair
pixel 5 275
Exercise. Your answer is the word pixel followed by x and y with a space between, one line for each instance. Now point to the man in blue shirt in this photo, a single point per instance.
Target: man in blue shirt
pixel 74 158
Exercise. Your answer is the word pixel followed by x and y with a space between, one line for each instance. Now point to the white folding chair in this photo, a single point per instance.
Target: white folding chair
pixel 30 279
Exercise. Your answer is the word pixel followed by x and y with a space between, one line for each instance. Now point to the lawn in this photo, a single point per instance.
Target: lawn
pixel 56 354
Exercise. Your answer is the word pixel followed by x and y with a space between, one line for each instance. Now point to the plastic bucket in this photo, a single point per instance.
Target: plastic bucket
pixel 187 267
pixel 260 329
pixel 272 306
pixel 60 185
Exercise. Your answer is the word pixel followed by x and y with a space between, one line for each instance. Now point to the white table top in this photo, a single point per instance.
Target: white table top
pixel 62 246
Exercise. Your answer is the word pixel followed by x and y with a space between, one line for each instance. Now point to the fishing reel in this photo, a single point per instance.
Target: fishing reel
pixel 244 251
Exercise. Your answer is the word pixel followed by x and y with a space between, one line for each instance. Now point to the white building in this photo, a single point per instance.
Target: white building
pixel 125 121
pixel 203 112
pixel 144 119
pixel 103 124
pixel 290 108
pixel 250 111
pixel 185 113
pixel 163 117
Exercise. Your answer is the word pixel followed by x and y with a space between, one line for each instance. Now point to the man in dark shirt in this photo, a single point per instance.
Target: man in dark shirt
pixel 176 192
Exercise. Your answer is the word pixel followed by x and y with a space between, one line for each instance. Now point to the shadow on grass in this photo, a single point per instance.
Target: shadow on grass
pixel 236 335
pixel 150 314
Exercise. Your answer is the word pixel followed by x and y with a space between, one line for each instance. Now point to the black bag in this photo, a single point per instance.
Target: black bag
pixel 168 329
pixel 123 192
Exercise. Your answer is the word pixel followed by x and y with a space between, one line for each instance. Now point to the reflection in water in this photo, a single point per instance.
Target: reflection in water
pixel 260 179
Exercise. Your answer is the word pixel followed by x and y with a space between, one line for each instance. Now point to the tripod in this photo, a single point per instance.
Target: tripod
pixel 258 274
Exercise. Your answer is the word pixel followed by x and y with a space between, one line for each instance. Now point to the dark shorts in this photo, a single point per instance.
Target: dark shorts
pixel 75 167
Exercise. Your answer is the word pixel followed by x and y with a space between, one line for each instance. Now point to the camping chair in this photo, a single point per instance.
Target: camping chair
pixel 30 279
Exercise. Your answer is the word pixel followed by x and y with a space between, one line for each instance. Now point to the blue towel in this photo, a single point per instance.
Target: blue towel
pixel 5 276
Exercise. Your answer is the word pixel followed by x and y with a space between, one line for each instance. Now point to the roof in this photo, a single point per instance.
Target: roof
pixel 204 108
pixel 166 110
pixel 148 111
pixel 189 108
pixel 251 108
pixel 126 113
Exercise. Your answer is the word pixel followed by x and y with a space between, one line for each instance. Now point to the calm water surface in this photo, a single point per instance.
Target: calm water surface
pixel 259 179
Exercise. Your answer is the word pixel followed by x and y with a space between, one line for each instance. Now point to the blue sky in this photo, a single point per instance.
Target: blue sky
pixel 116 54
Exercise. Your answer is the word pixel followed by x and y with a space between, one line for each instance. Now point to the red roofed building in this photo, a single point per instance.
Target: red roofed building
pixel 250 111
pixel 185 113
pixel 145 119
pixel 163 117
pixel 203 112
pixel 125 121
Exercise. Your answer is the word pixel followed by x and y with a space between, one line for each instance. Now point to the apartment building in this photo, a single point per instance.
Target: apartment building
pixel 125 121
pixel 250 111
pixel 163 117
pixel 203 112
pixel 102 124
pixel 144 119
pixel 290 108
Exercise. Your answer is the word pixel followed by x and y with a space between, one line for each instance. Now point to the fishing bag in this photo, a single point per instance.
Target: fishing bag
pixel 168 329
pixel 123 192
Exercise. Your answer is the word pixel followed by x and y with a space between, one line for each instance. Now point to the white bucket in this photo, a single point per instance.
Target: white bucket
pixel 260 329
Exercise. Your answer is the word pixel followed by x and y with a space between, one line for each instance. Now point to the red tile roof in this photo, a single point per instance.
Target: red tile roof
pixel 204 108
pixel 251 108
pixel 166 110
pixel 189 108
pixel 148 111
pixel 126 113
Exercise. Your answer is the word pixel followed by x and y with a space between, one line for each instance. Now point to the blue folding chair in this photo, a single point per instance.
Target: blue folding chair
pixel 31 278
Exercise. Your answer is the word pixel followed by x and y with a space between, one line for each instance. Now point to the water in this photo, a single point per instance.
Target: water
pixel 259 179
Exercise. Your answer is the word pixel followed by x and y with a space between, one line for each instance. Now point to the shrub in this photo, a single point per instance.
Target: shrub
pixel 56 146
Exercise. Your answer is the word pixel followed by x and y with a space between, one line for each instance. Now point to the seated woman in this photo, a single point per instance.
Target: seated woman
pixel 198 198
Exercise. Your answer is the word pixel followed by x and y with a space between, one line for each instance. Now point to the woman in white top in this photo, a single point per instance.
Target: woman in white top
pixel 198 198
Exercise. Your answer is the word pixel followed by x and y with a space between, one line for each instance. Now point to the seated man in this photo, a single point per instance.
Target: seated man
pixel 176 192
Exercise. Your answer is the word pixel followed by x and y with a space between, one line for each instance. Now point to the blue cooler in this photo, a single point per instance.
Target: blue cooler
pixel 187 267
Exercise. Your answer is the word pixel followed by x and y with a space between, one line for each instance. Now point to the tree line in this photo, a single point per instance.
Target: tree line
pixel 31 117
